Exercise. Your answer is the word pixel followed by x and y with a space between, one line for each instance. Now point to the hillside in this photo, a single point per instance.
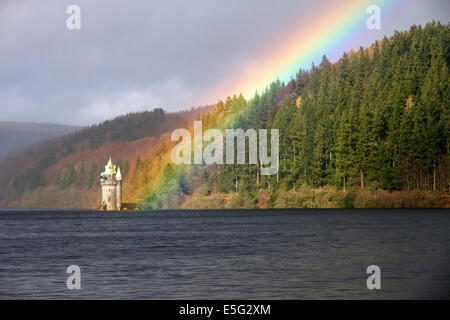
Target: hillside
pixel 371 130
pixel 63 172
pixel 17 136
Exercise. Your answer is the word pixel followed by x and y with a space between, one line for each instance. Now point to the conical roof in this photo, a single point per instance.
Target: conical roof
pixel 109 168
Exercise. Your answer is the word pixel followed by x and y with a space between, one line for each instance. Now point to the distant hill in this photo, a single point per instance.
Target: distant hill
pixel 16 136
pixel 63 171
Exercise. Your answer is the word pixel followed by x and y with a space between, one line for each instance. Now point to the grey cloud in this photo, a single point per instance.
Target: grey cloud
pixel 168 54
pixel 129 55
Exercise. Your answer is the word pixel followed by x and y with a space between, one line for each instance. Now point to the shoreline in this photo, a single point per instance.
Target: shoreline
pixel 236 210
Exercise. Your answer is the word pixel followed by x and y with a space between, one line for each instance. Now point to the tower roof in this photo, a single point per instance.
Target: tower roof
pixel 109 168
pixel 118 174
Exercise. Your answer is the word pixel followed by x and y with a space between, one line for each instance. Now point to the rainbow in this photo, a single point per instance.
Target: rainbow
pixel 342 26
pixel 335 27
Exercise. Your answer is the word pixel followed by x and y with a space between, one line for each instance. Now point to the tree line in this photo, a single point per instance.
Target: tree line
pixel 378 117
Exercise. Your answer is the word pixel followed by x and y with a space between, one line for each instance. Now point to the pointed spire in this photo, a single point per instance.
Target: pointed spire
pixel 118 174
pixel 109 168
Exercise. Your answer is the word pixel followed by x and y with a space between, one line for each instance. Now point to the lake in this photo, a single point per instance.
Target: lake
pixel 225 254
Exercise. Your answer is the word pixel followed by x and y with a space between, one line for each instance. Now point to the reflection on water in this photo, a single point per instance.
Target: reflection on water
pixel 303 254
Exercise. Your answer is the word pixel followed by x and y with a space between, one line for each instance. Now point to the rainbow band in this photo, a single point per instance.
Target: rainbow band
pixel 329 29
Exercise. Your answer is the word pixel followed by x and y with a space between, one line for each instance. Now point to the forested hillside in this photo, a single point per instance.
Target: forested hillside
pixel 378 116
pixel 378 119
pixel 64 172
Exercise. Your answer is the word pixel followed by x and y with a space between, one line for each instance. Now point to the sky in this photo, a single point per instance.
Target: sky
pixel 139 55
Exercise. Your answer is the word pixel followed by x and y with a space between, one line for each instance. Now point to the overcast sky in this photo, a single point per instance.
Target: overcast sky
pixel 137 55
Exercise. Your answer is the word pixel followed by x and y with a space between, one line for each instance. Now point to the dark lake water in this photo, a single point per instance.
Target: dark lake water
pixel 302 254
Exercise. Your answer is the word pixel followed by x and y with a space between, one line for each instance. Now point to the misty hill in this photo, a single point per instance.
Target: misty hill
pixel 76 159
pixel 16 136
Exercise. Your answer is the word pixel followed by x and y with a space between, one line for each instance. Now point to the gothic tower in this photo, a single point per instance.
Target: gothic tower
pixel 111 182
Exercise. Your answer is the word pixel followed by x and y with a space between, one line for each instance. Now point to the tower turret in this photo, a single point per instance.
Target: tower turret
pixel 119 189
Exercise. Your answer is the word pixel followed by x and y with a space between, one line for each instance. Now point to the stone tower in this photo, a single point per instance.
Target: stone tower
pixel 111 181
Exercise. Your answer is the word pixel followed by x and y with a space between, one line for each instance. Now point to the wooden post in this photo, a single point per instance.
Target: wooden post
pixel 362 179
pixel 278 168
pixel 434 176
pixel 257 178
